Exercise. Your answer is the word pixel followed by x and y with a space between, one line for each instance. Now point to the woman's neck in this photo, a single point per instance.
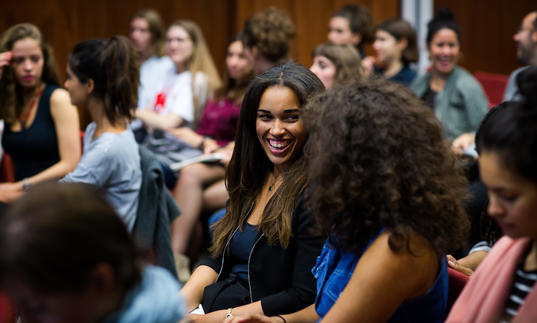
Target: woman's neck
pixel 102 124
pixel 393 68
pixel 438 81
pixel 145 55
pixel 530 263
pixel 180 67
pixel 28 93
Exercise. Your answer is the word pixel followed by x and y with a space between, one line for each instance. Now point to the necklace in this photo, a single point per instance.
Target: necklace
pixel 274 180
pixel 23 118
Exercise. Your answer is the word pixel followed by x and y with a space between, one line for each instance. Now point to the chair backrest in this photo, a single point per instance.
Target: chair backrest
pixel 494 86
pixel 456 282
pixel 6 169
pixel 8 313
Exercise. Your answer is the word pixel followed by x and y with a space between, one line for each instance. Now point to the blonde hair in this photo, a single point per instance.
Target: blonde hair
pixel 346 59
pixel 199 61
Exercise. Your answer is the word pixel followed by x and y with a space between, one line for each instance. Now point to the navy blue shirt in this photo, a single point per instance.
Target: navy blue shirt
pixel 405 76
pixel 240 247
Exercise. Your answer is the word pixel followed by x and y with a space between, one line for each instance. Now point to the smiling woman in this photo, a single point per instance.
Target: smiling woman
pixel 263 248
pixel 452 92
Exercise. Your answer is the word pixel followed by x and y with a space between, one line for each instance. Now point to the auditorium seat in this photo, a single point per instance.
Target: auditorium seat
pixel 493 84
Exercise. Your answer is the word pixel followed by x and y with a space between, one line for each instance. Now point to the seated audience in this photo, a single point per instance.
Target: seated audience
pixel 186 86
pixel 452 92
pixel 263 248
pixel 336 64
pixel 387 195
pixel 503 287
pixel 102 77
pixel 200 186
pixel 351 24
pixel 526 41
pixel 41 132
pixel 267 36
pixel 67 257
pixel 396 48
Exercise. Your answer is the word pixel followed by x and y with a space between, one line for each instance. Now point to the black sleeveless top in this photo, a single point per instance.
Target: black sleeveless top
pixel 35 148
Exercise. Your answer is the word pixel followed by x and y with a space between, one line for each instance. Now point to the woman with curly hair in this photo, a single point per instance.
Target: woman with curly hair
pixel 336 64
pixel 386 194
pixel 267 35
pixel 263 248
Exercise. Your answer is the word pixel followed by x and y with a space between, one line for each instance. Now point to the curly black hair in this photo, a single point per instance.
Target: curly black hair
pixel 377 159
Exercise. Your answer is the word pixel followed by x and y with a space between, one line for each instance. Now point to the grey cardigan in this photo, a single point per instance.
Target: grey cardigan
pixel 460 106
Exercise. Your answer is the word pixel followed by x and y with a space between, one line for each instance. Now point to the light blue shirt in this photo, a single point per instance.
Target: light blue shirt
pixel 155 299
pixel 112 163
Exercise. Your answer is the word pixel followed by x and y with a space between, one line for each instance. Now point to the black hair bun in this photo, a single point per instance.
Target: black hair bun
pixel 444 14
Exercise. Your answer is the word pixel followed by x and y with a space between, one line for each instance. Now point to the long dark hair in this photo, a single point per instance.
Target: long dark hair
pixel 231 88
pixel 54 235
pixel 114 68
pixel 250 166
pixel 377 159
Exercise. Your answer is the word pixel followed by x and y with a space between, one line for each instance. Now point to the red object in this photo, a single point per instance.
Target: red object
pixel 8 313
pixel 456 283
pixel 160 102
pixel 494 86
pixel 6 169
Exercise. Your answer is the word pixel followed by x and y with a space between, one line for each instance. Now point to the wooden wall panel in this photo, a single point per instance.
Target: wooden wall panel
pixel 311 19
pixel 487 28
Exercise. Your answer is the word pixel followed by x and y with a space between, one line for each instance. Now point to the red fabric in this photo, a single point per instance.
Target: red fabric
pixel 457 281
pixel 494 86
pixel 8 314
pixel 6 169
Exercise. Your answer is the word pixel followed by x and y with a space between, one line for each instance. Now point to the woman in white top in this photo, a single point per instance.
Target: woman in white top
pixel 185 88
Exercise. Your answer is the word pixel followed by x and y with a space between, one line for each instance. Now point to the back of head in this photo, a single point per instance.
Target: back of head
pixel 346 59
pixel 270 31
pixel 443 19
pixel 360 21
pixel 55 234
pixel 400 29
pixel 156 28
pixel 377 159
pixel 113 67
pixel 510 129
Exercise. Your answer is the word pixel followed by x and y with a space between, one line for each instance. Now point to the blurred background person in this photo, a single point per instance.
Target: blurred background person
pixel 42 131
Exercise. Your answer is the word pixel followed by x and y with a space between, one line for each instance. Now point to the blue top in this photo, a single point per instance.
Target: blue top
pixel 241 247
pixel 112 163
pixel 35 148
pixel 155 300
pixel 405 76
pixel 334 268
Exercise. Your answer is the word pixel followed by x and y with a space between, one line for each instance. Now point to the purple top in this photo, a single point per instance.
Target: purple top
pixel 219 120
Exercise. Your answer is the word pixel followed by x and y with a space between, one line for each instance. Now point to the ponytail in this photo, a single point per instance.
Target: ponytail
pixel 113 66
pixel 121 69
